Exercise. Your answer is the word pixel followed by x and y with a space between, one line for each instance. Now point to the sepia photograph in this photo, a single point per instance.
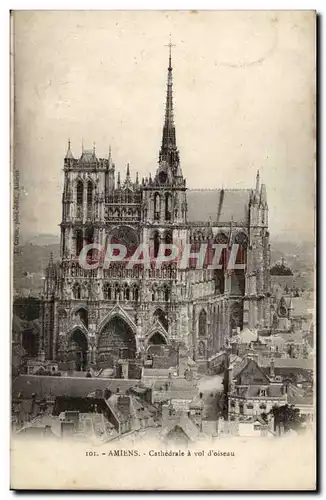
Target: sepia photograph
pixel 163 287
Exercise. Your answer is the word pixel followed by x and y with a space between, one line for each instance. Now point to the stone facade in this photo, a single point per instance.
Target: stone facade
pixel 97 316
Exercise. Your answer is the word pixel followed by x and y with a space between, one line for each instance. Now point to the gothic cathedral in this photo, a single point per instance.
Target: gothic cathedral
pixel 98 317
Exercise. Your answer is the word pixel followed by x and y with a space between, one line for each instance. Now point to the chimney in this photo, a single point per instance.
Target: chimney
pixel 99 393
pixel 284 388
pixel 272 369
pixel 123 404
pixel 165 412
pixel 107 394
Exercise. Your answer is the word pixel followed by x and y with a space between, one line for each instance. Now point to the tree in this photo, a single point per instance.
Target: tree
pixel 27 308
pixel 287 416
pixel 280 270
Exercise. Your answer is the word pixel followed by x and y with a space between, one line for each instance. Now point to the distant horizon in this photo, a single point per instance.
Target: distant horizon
pixel 244 100
pixel 25 239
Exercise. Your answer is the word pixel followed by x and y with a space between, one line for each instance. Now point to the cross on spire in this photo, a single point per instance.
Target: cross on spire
pixel 170 45
pixel 169 152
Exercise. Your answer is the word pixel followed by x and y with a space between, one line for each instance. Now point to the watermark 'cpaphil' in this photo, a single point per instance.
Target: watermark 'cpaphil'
pixel 215 256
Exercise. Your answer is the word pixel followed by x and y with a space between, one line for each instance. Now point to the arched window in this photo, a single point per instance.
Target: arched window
pixel 236 316
pixel 77 291
pixel 156 243
pixel 79 241
pixel 80 193
pixel 202 323
pixel 83 315
pixel 222 239
pixel 107 292
pixel 89 236
pixel 168 206
pixel 168 238
pixel 166 294
pixel 241 240
pixel 157 206
pixel 89 193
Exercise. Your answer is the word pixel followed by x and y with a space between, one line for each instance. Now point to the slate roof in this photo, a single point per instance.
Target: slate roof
pixel 137 408
pixel 219 205
pixel 175 384
pixel 88 156
pixel 253 391
pixel 297 396
pixel 239 367
pixel 38 424
pixel 66 386
pixel 301 363
pixel 123 414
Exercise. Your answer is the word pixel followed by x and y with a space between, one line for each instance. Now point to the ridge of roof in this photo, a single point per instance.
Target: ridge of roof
pixel 220 189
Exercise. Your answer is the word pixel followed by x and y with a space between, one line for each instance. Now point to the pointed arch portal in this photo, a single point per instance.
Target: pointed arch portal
pixel 162 317
pixel 116 341
pixel 157 339
pixel 77 350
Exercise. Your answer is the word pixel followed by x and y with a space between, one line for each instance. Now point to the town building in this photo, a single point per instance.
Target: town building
pixel 253 391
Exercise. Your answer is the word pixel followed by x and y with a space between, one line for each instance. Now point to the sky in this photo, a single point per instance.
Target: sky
pixel 244 99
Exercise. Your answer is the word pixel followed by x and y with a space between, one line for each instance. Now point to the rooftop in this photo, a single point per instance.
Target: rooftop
pixel 66 386
pixel 304 364
pixel 218 205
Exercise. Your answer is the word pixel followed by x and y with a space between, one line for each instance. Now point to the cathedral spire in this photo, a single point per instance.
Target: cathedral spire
pixel 169 144
pixel 257 182
pixel 69 155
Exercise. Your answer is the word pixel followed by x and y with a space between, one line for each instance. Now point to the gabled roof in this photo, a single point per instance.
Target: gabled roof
pixel 218 205
pixel 186 424
pixel 243 365
pixel 88 156
pixel 122 414
pixel 239 367
pixel 44 420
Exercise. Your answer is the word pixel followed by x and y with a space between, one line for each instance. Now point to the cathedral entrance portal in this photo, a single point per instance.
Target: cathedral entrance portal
pixel 116 341
pixel 77 350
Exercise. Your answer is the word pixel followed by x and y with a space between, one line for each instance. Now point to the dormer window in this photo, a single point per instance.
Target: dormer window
pixel 263 392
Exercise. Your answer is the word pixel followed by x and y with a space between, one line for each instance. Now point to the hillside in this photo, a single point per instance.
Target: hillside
pixel 30 262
